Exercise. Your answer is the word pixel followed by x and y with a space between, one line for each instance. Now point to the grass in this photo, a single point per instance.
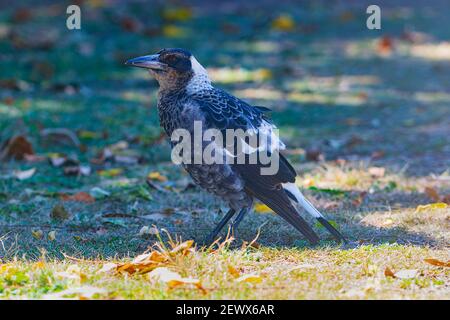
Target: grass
pixel 365 119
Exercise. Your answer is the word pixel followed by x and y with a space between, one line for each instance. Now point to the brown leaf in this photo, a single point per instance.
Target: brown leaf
pixel 233 271
pixel 385 45
pixel 16 148
pixel 80 197
pixel 389 273
pixel 446 199
pixel 436 262
pixel 314 155
pixel 59 213
pixel 432 194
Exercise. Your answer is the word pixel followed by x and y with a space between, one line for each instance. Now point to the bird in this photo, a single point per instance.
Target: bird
pixel 187 95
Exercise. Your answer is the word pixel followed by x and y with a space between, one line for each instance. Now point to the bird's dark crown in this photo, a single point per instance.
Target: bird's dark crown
pixel 176 58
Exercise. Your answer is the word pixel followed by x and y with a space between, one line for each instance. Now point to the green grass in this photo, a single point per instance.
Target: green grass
pixel 333 92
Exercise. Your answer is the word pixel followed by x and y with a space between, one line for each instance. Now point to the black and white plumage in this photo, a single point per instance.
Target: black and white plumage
pixel 187 95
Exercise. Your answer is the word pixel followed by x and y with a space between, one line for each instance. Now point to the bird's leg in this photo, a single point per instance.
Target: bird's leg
pixel 237 221
pixel 220 226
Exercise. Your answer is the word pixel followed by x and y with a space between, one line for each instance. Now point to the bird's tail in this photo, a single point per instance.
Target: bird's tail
pixel 279 203
pixel 297 197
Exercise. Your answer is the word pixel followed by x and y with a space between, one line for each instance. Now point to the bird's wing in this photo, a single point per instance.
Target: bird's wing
pixel 278 191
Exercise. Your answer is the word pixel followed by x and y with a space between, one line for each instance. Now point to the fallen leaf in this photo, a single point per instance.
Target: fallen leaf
pixel 233 271
pixel 406 274
pixel 25 174
pixel 59 213
pixel 177 14
pixel 172 31
pixel 99 193
pixel 432 194
pixel 262 208
pixel 156 176
pixel 37 234
pixel 436 262
pixel 385 45
pixel 431 206
pixel 79 197
pixel 250 278
pixel 51 235
pixel 15 148
pixel 389 273
pixel 110 172
pixel 172 279
pixel 283 22
pixel 314 155
pixel 183 248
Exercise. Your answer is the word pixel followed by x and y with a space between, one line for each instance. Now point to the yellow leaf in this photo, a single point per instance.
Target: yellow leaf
pixel 110 172
pixel 37 234
pixel 4 267
pixel 250 278
pixel 233 271
pixel 183 247
pixel 388 222
pixel 156 176
pixel 262 208
pixel 177 14
pixel 283 23
pixel 51 235
pixel 172 31
pixel 431 206
pixel 85 134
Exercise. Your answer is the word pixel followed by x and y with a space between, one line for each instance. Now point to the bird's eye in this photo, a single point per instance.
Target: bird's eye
pixel 171 59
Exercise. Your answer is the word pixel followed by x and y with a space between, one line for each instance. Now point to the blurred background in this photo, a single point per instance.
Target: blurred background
pixel 364 113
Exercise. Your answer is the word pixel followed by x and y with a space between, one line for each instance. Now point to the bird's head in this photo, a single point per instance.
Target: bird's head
pixel 173 68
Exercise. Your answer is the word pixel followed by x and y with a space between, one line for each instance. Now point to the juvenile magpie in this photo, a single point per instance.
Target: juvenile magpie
pixel 186 95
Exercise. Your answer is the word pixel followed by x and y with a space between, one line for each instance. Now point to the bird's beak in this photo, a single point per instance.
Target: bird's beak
pixel 147 62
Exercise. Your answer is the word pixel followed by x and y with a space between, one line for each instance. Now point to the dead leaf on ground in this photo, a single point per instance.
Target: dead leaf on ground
pixel 233 271
pixel 389 273
pixel 431 206
pixel 37 234
pixel 156 176
pixel 262 208
pixel 79 197
pixel 438 263
pixel 15 148
pixel 59 213
pixel 24 174
pixel 385 45
pixel 173 279
pixel 249 278
pixel 432 194
pixel 51 236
